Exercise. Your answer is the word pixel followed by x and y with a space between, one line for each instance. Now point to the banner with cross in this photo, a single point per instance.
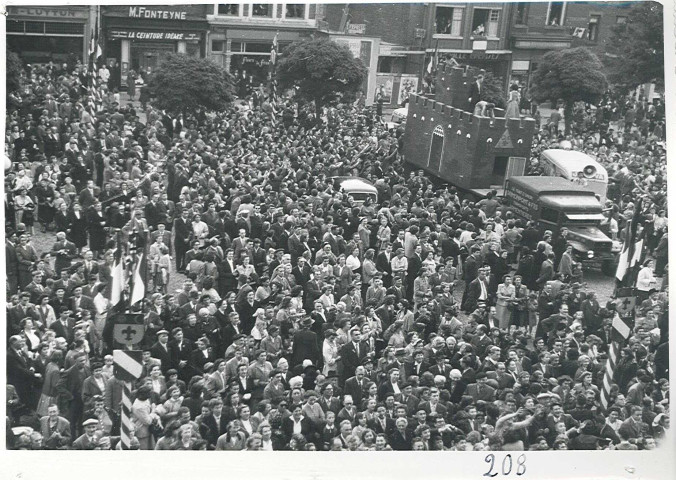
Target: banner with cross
pixel 625 302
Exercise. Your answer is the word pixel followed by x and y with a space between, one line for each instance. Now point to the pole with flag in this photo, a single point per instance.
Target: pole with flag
pixel 620 333
pixel 632 250
pixel 139 264
pixel 95 51
pixel 431 67
pixel 274 51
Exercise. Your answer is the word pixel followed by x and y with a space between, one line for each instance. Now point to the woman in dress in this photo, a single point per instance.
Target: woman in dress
pixel 519 317
pixel 30 334
pixel 330 352
pixel 502 306
pixel 512 110
pixel 77 233
pixel 24 208
pixel 52 376
pixel 163 269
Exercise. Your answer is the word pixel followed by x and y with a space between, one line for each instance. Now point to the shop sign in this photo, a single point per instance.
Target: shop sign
pixel 356 28
pixel 541 45
pixel 52 12
pixel 159 36
pixel 473 56
pixel 143 12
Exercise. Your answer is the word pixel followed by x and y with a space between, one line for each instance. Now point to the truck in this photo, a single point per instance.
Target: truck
pixel 554 203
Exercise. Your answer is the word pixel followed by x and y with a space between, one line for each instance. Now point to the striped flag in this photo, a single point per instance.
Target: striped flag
pixel 138 284
pixel 620 332
pixel 632 248
pixel 433 60
pixel 118 275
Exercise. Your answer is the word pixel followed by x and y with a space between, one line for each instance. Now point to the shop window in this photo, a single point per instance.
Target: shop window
pixel 521 17
pixel 295 10
pixel 35 27
pixel 251 47
pixel 64 28
pixel 218 45
pixel 230 9
pixel 556 14
pixel 621 20
pixel 485 22
pixel 448 21
pixel 593 29
pixel 262 10
pixel 236 47
pixel 15 26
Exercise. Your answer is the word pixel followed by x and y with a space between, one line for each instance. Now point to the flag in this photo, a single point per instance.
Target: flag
pixel 433 60
pixel 579 32
pixel 273 51
pixel 620 332
pixel 632 248
pixel 345 19
pixel 139 288
pixel 118 280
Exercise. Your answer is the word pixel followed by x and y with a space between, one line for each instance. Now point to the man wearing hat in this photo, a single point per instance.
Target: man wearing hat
pixel 480 390
pixel 183 231
pixel 88 440
pixel 160 350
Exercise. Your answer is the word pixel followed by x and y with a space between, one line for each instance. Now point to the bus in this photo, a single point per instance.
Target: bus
pixel 578 168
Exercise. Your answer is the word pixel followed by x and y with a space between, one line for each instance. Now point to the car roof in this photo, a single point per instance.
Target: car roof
pixel 573 160
pixel 550 185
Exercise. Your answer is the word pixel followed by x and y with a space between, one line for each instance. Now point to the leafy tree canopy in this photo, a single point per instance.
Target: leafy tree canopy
pixel 321 69
pixel 184 84
pixel 636 48
pixel 571 75
pixel 14 67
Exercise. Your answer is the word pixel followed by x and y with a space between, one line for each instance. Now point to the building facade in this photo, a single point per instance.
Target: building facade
pixel 40 34
pixel 138 36
pixel 538 28
pixel 241 35
pixel 412 34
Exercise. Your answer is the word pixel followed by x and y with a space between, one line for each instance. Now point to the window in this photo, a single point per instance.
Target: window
pixel 448 21
pixel 262 10
pixel 485 22
pixel 556 14
pixel 521 13
pixel 549 215
pixel 594 21
pixel 295 10
pixel 621 20
pixel 231 9
pixel 217 45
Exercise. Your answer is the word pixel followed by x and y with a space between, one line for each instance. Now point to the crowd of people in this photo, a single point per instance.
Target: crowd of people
pixel 284 314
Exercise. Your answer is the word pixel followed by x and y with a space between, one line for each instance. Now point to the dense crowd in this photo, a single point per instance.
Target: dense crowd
pixel 305 319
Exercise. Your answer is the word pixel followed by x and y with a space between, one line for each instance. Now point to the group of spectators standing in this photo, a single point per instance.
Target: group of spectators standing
pixel 304 319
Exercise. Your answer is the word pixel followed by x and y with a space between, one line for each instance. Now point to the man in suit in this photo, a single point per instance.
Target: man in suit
pixel 227 274
pixel 382 423
pixel 477 292
pixel 418 366
pixel 88 440
pixel 179 352
pixel 434 406
pixel 383 264
pixel 182 232
pixel 480 390
pixel 19 371
pixel 55 430
pixel 356 385
pixel 470 273
pixel 80 302
pixel 353 353
pixel 217 382
pixel 475 93
pixel 161 351
pixel 11 262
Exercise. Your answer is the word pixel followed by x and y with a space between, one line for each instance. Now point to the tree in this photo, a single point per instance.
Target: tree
pixel 14 68
pixel 183 84
pixel 493 90
pixel 635 53
pixel 322 70
pixel 571 75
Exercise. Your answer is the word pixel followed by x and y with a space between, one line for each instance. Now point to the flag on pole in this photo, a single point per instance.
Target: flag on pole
pixel 632 248
pixel 118 279
pixel 433 60
pixel 273 51
pixel 579 32
pixel 345 19
pixel 139 287
pixel 620 332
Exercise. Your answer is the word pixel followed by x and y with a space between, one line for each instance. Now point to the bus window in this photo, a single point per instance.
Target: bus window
pixel 549 215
